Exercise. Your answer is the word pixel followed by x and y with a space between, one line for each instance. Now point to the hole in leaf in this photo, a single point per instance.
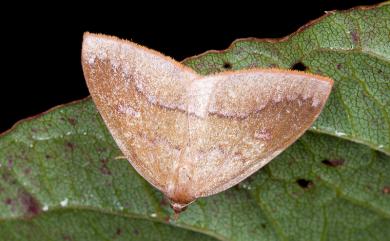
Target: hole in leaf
pixel 303 183
pixel 299 66
pixel 227 65
pixel 333 163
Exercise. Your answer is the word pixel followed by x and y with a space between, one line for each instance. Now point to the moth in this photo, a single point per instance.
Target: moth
pixel 190 135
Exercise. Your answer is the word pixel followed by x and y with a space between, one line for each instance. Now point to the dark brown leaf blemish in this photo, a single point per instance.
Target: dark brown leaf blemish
pixel 355 37
pixel 104 168
pixel 6 176
pixel 10 163
pixel 67 238
pixel 101 149
pixel 386 190
pixel 70 145
pixel 304 183
pixel 338 66
pixel 299 66
pixel 136 232
pixel 164 202
pixel 118 231
pixel 333 163
pixel 72 121
pixel 30 204
pixel 8 201
pixel 27 171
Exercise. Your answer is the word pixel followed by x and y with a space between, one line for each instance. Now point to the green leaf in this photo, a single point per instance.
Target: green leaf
pixel 351 47
pixel 62 178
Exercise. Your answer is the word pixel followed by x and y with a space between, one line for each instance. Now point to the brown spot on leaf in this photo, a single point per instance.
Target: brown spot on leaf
pixel 355 37
pixel 27 171
pixel 72 121
pixel 136 232
pixel 30 204
pixel 70 146
pixel 164 202
pixel 333 163
pixel 10 163
pixel 104 168
pixel 304 183
pixel 47 156
pixel 338 66
pixel 118 231
pixel 8 201
pixel 67 238
pixel 386 190
pixel 6 176
pixel 101 149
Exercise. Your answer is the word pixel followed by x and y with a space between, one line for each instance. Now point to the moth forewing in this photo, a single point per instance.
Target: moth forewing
pixel 189 135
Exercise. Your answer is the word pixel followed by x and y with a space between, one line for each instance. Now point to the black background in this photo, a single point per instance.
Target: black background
pixel 41 49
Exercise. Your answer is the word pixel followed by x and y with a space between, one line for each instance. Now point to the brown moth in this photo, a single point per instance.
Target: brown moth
pixel 189 135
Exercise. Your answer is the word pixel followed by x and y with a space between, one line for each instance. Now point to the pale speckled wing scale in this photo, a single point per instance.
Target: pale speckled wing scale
pixel 189 135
